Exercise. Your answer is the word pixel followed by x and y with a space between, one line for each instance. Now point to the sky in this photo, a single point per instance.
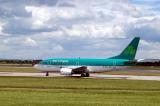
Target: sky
pixel 38 29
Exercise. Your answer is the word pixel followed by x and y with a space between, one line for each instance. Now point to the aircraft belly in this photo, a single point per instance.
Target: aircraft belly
pixel 105 68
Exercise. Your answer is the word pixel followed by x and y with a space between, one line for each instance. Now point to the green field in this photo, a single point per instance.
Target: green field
pixel 16 65
pixel 18 69
pixel 46 91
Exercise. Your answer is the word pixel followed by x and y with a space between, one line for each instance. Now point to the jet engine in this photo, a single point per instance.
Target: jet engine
pixel 66 71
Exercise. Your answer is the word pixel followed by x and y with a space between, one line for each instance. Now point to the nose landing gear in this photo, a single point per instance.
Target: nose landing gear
pixel 47 73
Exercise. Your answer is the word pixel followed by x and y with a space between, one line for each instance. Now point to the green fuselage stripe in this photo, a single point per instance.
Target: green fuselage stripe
pixel 84 62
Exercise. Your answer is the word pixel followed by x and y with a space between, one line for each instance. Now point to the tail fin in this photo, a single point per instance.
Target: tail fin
pixel 130 51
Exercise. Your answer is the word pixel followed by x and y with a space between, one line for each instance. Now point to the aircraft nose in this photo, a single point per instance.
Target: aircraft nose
pixel 35 66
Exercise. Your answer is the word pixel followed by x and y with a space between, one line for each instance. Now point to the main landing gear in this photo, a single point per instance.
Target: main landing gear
pixel 85 75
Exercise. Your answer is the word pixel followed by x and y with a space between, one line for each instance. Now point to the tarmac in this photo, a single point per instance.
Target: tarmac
pixel 129 77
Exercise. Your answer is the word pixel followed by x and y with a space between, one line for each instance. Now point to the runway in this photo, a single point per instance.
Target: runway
pixel 129 77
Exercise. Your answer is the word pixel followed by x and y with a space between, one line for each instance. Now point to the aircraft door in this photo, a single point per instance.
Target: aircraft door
pixel 114 65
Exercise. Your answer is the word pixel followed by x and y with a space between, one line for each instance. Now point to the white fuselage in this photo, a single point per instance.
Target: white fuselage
pixel 57 68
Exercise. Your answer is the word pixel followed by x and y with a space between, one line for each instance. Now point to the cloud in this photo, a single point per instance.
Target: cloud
pixel 60 28
pixel 94 30
pixel 146 28
pixel 1 28
pixel 39 15
pixel 24 42
pixel 88 19
pixel 150 45
pixel 30 42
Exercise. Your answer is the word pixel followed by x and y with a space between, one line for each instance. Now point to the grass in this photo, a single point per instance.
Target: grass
pixel 18 69
pixel 16 65
pixel 59 98
pixel 30 91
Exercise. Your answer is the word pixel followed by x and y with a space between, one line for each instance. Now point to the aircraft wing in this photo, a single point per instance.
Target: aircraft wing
pixel 80 70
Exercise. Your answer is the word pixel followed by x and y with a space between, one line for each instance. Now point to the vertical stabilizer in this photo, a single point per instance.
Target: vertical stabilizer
pixel 130 51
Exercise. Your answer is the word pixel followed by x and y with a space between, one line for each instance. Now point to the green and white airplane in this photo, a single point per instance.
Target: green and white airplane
pixel 84 66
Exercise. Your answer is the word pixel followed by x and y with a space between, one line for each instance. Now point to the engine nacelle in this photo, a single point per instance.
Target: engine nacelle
pixel 66 71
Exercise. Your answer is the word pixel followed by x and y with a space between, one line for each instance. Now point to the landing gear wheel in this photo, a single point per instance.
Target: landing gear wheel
pixel 83 75
pixel 87 74
pixel 47 73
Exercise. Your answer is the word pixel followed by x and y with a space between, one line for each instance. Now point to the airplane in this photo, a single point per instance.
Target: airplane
pixel 85 66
